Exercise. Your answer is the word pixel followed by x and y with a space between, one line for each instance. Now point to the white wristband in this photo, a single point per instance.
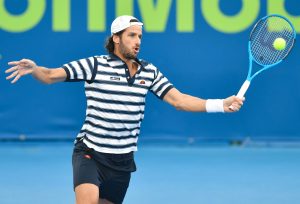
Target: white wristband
pixel 214 106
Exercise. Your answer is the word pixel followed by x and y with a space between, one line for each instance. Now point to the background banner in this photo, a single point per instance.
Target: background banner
pixel 199 45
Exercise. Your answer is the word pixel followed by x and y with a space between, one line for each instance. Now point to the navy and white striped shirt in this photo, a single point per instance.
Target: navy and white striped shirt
pixel 115 101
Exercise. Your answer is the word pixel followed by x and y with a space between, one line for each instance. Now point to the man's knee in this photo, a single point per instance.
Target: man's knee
pixel 87 194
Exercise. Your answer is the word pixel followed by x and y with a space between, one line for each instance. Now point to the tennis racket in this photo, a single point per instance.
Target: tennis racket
pixel 261 46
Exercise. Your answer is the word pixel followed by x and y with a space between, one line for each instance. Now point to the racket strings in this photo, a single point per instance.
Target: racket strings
pixel 259 45
pixel 274 56
pixel 288 36
pixel 268 54
pixel 263 36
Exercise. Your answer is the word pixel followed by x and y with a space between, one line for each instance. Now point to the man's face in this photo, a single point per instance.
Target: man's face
pixel 130 41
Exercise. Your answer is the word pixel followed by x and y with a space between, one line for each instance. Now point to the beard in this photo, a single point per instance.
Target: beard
pixel 127 54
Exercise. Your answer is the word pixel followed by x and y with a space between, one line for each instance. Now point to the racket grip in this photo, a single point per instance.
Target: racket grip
pixel 243 89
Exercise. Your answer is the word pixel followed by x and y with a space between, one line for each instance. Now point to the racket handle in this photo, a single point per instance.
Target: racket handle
pixel 243 89
pixel 241 92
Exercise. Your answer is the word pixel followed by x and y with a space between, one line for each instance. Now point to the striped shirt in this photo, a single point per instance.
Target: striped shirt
pixel 115 100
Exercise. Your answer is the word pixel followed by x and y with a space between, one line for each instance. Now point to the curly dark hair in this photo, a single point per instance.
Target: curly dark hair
pixel 109 43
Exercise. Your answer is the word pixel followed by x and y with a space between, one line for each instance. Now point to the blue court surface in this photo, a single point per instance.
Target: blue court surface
pixel 41 173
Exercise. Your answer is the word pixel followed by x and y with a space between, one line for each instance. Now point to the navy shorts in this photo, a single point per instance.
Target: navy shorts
pixel 111 172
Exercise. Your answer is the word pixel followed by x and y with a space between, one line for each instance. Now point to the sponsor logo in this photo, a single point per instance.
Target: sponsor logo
pixel 115 78
pixel 184 17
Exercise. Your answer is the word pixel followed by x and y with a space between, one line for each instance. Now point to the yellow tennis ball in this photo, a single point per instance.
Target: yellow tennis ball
pixel 279 44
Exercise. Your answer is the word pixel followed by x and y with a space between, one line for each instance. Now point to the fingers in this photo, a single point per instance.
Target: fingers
pixel 236 104
pixel 15 68
pixel 19 69
pixel 233 103
pixel 234 108
pixel 242 99
pixel 14 63
pixel 15 74
pixel 238 100
pixel 15 71
pixel 21 62
pixel 12 75
pixel 16 79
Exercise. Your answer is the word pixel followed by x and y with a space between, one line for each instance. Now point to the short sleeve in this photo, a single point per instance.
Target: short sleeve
pixel 81 70
pixel 160 85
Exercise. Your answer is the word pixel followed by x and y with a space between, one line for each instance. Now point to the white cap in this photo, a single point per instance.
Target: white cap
pixel 123 22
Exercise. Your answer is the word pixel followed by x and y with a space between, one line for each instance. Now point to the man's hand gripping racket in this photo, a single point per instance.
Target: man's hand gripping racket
pixel 271 40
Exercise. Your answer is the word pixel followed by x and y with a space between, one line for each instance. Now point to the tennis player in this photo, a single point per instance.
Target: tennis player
pixel 115 86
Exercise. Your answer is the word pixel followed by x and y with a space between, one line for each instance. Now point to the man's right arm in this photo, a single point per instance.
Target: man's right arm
pixel 49 76
pixel 43 74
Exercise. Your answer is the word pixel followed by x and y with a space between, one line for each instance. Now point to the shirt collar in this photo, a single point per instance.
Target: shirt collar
pixel 113 56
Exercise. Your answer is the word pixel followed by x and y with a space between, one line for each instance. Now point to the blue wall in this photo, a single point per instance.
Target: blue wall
pixel 205 63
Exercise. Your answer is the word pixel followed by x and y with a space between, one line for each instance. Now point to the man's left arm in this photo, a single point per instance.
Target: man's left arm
pixel 189 103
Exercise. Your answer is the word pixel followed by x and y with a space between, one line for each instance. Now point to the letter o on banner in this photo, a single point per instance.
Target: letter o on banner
pixel 230 24
pixel 25 21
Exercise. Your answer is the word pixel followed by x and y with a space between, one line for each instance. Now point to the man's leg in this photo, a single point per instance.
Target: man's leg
pixel 89 194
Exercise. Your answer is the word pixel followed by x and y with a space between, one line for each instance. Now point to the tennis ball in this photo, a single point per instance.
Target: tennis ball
pixel 279 44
